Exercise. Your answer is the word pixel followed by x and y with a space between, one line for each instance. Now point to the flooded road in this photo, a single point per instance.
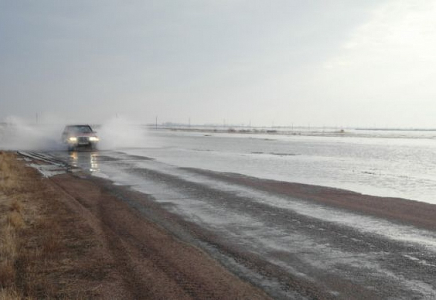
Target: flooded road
pixel 283 238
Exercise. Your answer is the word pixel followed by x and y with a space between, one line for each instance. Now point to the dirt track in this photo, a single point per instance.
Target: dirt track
pixel 147 261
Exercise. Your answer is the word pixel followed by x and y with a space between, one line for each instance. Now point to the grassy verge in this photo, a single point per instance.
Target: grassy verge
pixel 11 224
pixel 44 254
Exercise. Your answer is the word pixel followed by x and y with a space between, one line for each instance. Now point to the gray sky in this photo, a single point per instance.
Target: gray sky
pixel 332 63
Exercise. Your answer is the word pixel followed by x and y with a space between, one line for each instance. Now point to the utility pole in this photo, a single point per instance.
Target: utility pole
pixel 156 123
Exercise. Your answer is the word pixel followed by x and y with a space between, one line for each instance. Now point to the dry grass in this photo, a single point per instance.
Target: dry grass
pixel 11 223
pixel 42 253
pixel 9 181
pixel 10 294
pixel 7 273
pixel 16 206
pixel 15 219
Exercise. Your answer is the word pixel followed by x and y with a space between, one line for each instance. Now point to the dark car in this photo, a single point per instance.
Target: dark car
pixel 79 136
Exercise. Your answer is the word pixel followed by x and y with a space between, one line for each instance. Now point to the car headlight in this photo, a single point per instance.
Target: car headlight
pixel 93 139
pixel 72 139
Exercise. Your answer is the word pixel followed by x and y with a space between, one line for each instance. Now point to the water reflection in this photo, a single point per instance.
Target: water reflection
pixel 85 160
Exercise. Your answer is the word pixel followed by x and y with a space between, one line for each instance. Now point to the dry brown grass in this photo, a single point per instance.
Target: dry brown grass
pixel 7 273
pixel 11 222
pixel 10 294
pixel 9 181
pixel 15 219
pixel 16 206
pixel 42 255
pixel 20 252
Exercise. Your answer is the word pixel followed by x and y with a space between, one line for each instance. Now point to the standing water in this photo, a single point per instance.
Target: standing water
pixel 374 163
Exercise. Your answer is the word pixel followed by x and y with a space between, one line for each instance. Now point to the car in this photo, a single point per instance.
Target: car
pixel 75 136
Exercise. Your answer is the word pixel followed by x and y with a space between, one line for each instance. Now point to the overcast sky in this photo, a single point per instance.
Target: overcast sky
pixel 281 62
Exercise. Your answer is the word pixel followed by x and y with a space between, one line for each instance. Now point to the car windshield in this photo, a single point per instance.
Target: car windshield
pixel 80 129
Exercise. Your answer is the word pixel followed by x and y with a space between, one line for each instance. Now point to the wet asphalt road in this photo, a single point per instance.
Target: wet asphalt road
pixel 291 248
